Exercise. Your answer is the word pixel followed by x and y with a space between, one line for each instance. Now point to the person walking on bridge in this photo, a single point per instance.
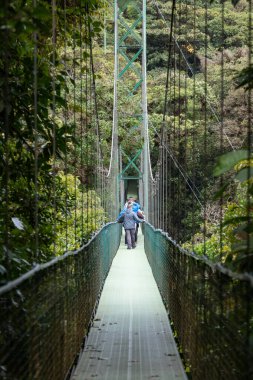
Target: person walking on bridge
pixel 136 208
pixel 130 218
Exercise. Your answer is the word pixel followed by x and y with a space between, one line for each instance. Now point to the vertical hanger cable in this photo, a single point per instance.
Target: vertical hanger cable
pixel 221 125
pixel 249 137
pixel 193 229
pixel 53 118
pixel 66 130
pixel 81 117
pixel 75 131
pixel 205 121
pixel 36 147
pixel 6 97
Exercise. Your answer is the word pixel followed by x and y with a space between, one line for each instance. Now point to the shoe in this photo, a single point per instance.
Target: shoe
pixel 134 246
pixel 129 247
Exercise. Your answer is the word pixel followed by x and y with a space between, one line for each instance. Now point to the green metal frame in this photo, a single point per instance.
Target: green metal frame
pixel 130 32
pixel 131 162
pixel 130 44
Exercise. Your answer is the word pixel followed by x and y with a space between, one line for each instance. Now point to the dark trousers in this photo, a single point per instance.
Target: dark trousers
pixel 136 231
pixel 130 238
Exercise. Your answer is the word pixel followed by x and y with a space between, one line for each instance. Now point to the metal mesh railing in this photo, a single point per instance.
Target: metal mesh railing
pixel 45 314
pixel 211 309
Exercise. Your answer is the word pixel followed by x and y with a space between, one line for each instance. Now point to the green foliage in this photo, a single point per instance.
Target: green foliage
pixel 185 116
pixel 67 219
pixel 245 78
pixel 232 241
pixel 229 160
pixel 80 219
pixel 40 131
pixel 60 109
pixel 235 27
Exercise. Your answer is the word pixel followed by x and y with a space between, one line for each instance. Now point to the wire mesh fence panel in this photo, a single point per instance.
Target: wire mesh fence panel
pixel 45 314
pixel 211 309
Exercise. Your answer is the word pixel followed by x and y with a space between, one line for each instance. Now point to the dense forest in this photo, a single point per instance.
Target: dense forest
pixel 49 202
pixel 56 102
pixel 204 120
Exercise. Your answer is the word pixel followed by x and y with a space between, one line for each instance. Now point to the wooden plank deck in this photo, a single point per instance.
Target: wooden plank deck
pixel 131 338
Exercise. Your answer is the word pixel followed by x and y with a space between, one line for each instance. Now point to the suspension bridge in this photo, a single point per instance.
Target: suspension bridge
pixel 98 310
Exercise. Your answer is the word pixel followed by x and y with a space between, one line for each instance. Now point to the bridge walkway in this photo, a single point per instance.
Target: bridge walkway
pixel 131 336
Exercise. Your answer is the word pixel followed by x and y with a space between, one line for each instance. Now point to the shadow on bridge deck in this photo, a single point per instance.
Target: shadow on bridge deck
pixel 131 337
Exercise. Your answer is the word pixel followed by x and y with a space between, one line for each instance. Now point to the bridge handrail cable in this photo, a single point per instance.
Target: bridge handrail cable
pixel 209 305
pixel 46 313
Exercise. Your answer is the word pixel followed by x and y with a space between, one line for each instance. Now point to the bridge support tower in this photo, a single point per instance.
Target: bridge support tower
pixel 130 162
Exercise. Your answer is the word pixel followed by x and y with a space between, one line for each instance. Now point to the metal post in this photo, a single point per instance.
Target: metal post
pixel 115 149
pixel 145 114
pixel 130 37
pixel 121 183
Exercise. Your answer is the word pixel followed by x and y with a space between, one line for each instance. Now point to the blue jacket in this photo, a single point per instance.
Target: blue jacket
pixel 135 209
pixel 130 218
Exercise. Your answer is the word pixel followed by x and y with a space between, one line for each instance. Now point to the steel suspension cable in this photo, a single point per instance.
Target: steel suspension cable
pixel 192 71
pixel 93 131
pixel 66 130
pixel 222 125
pixel 89 131
pixel 114 139
pixel 169 59
pixel 97 123
pixel 185 126
pixel 194 126
pixel 81 117
pixel 222 47
pixel 192 187
pixel 53 118
pixel 174 190
pixel 205 124
pixel 99 155
pixel 87 116
pixel 170 221
pixel 36 145
pixel 249 135
pixel 178 135
pixel 165 133
pixel 6 169
pixel 75 131
pixel 179 190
